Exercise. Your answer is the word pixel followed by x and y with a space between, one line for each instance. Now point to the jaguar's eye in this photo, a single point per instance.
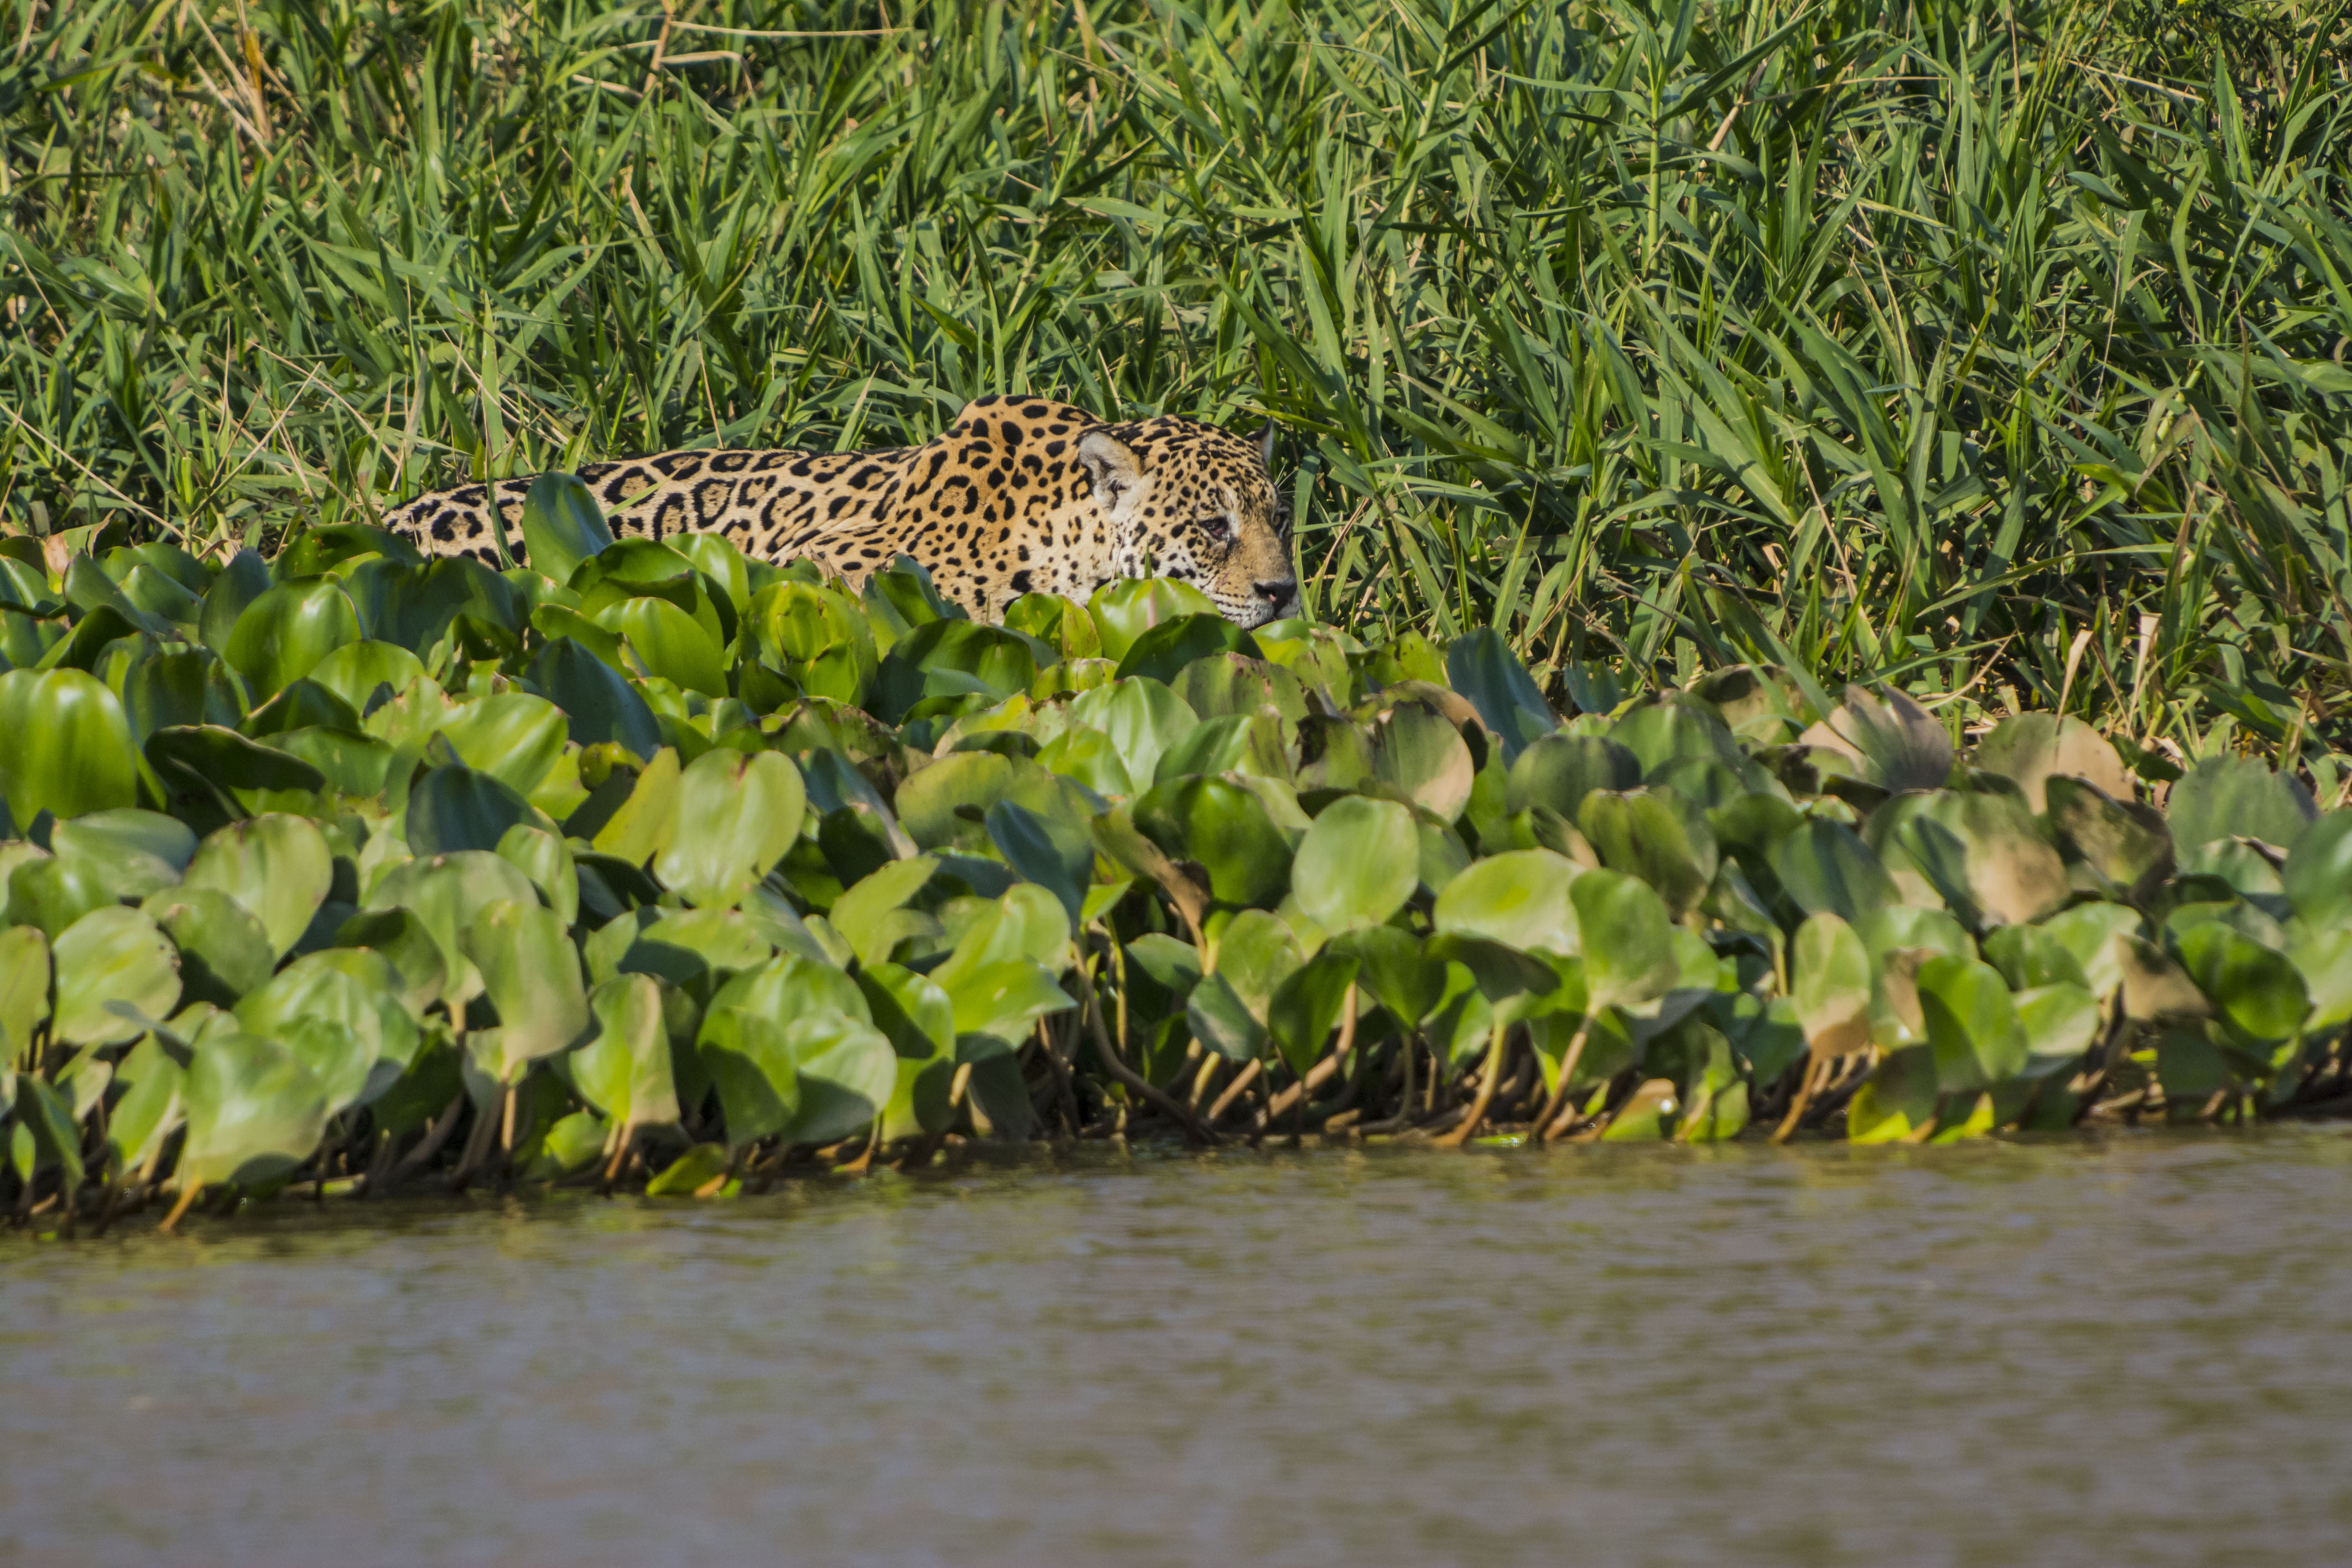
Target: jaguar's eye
pixel 1217 527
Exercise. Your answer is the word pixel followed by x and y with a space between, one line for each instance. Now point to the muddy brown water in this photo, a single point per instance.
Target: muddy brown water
pixel 2134 1349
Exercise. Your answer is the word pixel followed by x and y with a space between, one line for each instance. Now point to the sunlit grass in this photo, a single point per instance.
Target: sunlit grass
pixel 1992 347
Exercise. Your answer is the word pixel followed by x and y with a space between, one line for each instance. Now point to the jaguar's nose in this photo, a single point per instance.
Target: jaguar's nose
pixel 1277 591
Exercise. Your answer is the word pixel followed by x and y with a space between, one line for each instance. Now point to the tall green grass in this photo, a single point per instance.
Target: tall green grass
pixel 1993 347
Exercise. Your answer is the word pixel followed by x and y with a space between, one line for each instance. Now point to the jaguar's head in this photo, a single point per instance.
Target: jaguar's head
pixel 1191 501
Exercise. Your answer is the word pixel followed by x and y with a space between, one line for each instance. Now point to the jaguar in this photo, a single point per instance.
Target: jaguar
pixel 1018 494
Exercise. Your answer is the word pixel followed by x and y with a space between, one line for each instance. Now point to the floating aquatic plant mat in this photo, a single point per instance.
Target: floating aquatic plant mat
pixel 654 867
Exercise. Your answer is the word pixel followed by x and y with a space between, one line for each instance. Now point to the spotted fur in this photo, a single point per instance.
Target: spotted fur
pixel 1019 496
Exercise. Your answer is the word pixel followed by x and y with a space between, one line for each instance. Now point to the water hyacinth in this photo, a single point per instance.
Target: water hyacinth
pixel 690 871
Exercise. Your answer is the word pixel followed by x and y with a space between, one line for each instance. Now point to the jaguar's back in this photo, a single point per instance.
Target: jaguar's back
pixel 1019 496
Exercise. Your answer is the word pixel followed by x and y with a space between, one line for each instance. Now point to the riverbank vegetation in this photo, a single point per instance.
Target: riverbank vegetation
pixel 1823 526
pixel 651 865
pixel 1993 347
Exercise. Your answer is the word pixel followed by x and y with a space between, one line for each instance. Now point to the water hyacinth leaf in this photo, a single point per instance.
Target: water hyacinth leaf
pixel 109 960
pixel 669 643
pixel 1089 756
pixel 402 937
pixel 902 597
pixel 255 1113
pixel 51 892
pixel 196 759
pixel 1420 757
pixel 2226 797
pixel 2256 990
pixel 1517 985
pixel 2090 934
pixel 542 856
pixel 1214 745
pixel 1827 869
pixel 1981 852
pixel 355 670
pixel 1972 1023
pixel 514 736
pixel 951 659
pixel 737 815
pixel 1833 987
pixel 562 525
pixel 1643 835
pixel 1306 1006
pixel 1519 898
pixel 25 973
pixel 224 951
pixel 456 808
pixel 1647 1115
pixel 445 893
pixel 283 635
pixel 684 946
pixel 846 1070
pixel 2060 1021
pixel 157 845
pixel 1559 770
pixel 69 747
pixel 335 1054
pixel 1143 718
pixel 347 762
pixel 2189 1069
pixel 818 637
pixel 1222 1021
pixel 1897 1099
pixel 1162 651
pixel 2127 843
pixel 1223 828
pixel 995 1004
pixel 871 917
pixel 357 997
pixel 751 1066
pixel 1663 734
pixel 150 1110
pixel 278 866
pixel 1123 610
pixel 573 1144
pixel 43 1112
pixel 643 826
pixel 692 1173
pixel 2317 875
pixel 2324 959
pixel 1358 863
pixel 2154 987
pixel 1160 967
pixel 931 802
pixel 1256 952
pixel 2031 955
pixel 788 986
pixel 919 1019
pixel 1393 968
pixel 1888 740
pixel 1482 668
pixel 623 1068
pixel 530 973
pixel 1226 684
pixel 1055 852
pixel 599 706
pixel 1627 939
pixel 2029 749
pixel 1062 624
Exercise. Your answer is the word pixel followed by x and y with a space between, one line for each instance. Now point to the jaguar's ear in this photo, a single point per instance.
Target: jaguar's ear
pixel 1265 446
pixel 1111 464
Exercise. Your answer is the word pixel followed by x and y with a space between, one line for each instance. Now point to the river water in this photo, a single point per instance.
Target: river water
pixel 2129 1350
